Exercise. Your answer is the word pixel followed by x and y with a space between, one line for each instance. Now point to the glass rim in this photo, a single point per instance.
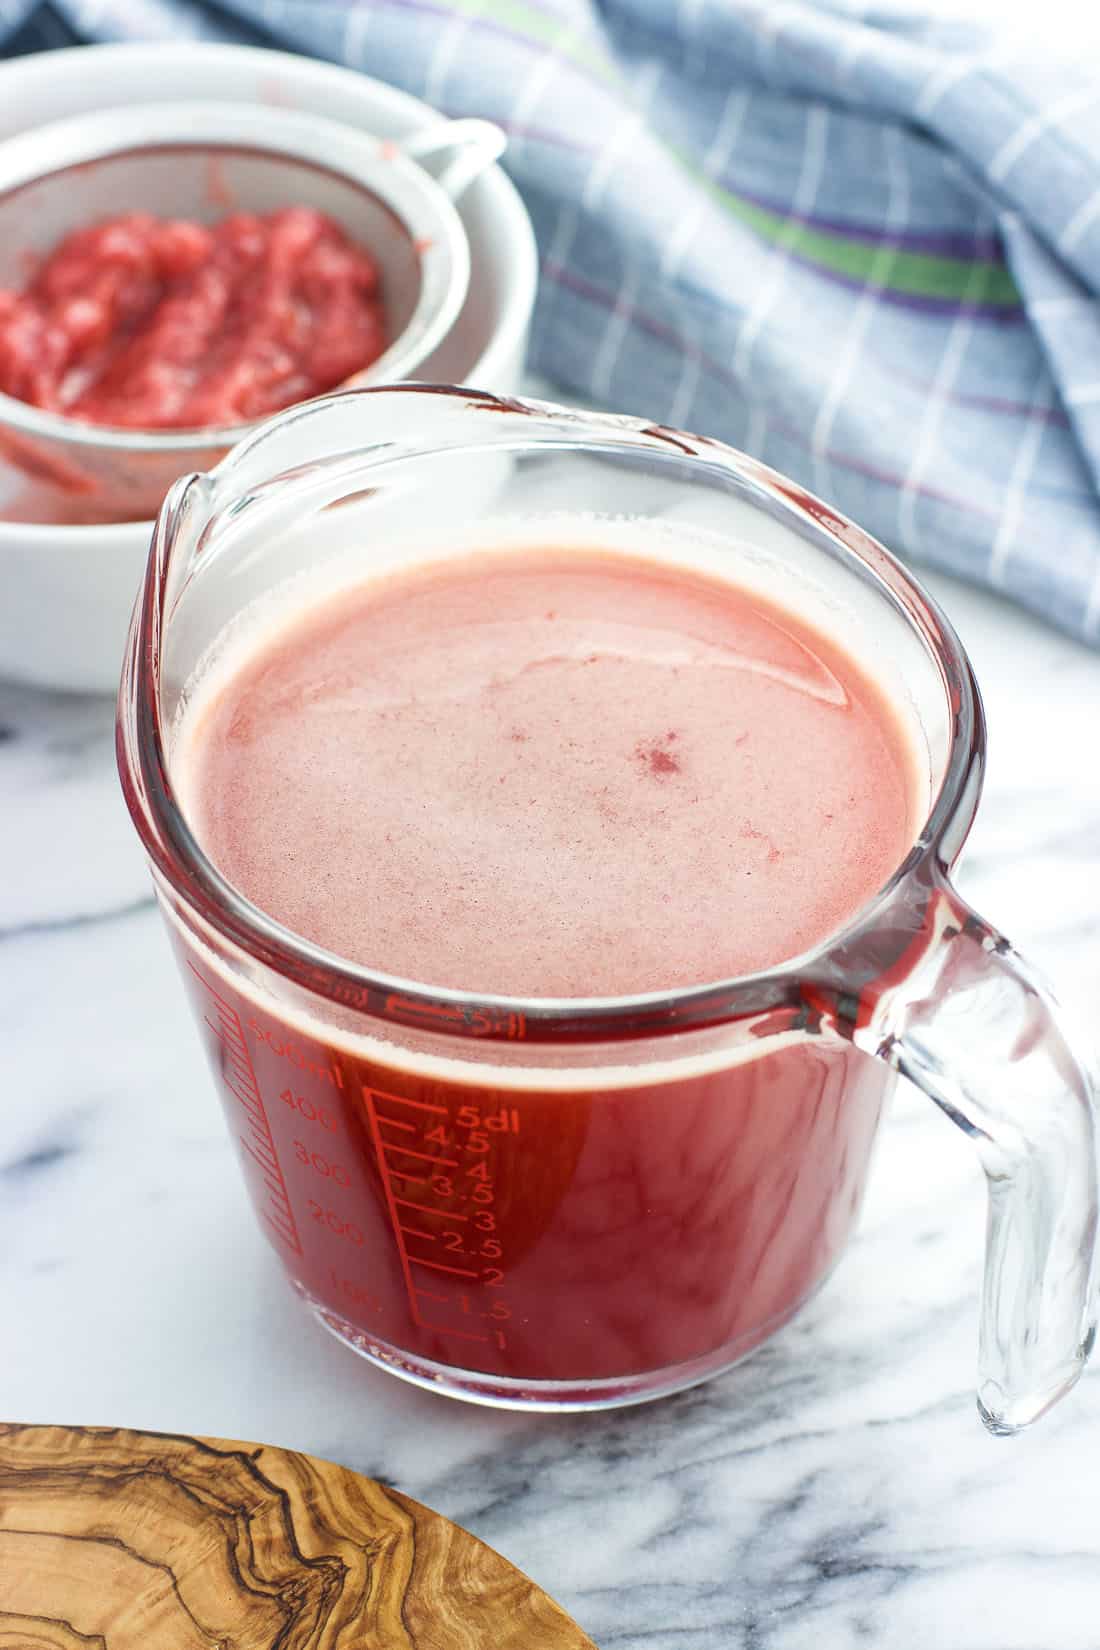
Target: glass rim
pixel 178 859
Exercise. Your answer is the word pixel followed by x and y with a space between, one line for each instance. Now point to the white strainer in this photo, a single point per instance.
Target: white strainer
pixel 201 160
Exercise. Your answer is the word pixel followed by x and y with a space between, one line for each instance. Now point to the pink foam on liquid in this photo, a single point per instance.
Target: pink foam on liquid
pixel 553 773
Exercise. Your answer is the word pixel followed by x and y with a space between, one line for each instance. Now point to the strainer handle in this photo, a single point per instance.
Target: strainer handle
pixel 456 152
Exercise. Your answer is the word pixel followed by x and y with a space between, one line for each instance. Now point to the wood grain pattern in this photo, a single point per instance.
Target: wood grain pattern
pixel 115 1540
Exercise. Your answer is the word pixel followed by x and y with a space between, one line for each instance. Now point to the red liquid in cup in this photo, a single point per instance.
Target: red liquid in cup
pixel 551 773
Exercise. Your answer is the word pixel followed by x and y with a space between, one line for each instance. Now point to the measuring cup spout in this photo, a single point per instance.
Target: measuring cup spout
pixel 178 541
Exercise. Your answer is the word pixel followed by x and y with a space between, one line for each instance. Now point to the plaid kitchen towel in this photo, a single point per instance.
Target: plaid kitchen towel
pixel 864 246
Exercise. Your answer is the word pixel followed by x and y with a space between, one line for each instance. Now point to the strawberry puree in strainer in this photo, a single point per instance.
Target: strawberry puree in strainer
pixel 151 324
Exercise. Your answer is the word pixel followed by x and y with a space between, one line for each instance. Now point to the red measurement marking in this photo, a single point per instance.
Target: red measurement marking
pixel 379 1146
pixel 205 983
pixel 396 1123
pixel 399 1174
pixel 459 1334
pixel 426 1209
pixel 479 1022
pixel 270 1180
pixel 394 1178
pixel 267 1164
pixel 429 1157
pixel 224 1029
pixel 455 1271
pixel 402 1100
pixel 246 1091
pixel 424 1011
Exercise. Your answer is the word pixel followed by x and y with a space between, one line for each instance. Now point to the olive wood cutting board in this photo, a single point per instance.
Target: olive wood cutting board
pixel 117 1540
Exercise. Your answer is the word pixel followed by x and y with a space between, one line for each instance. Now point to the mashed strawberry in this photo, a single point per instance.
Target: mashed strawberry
pixel 143 323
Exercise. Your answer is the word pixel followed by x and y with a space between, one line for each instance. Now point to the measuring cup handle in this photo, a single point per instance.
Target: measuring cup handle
pixel 974 1028
pixel 456 152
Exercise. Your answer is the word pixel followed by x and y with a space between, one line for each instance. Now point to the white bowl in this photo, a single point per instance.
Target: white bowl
pixel 66 592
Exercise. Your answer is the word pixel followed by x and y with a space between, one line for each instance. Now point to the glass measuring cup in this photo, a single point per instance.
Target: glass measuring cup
pixel 578 1203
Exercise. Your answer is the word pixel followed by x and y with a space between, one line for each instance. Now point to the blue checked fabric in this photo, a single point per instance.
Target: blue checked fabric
pixel 867 251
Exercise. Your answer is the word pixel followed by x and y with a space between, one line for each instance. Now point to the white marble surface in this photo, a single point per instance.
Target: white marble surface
pixel 836 1491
